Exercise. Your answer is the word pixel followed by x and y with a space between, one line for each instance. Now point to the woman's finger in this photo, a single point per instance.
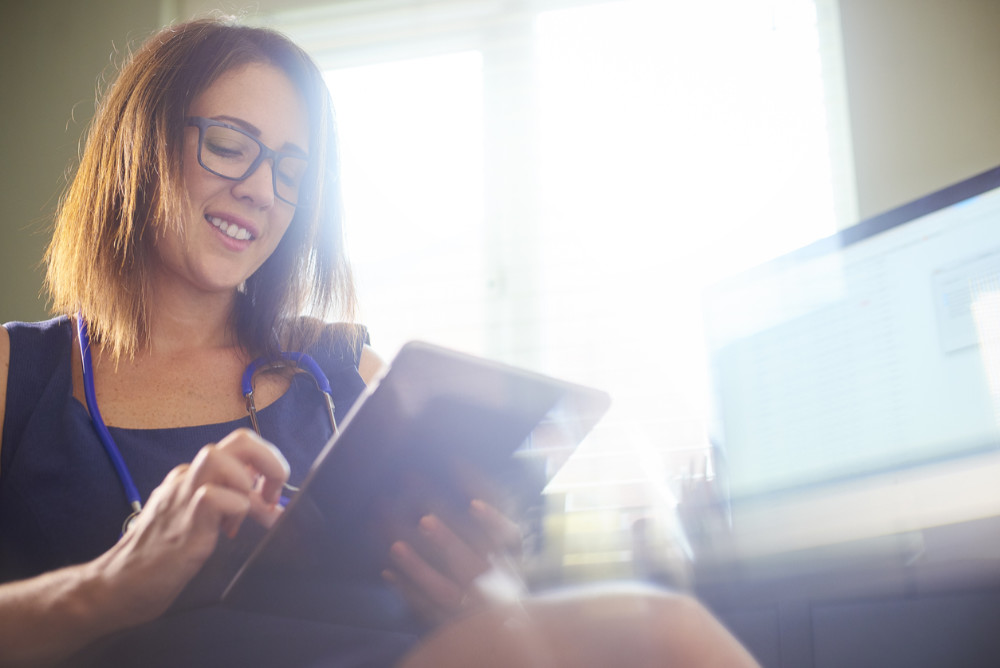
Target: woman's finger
pixel 262 457
pixel 459 560
pixel 504 533
pixel 440 590
pixel 248 469
pixel 242 461
pixel 219 508
pixel 212 466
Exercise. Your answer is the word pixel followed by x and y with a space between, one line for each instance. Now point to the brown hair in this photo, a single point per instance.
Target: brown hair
pixel 129 185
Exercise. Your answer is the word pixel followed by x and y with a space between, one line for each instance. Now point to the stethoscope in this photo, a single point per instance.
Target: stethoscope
pixel 302 362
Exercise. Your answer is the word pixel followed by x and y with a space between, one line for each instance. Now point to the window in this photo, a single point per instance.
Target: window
pixel 550 183
pixel 412 147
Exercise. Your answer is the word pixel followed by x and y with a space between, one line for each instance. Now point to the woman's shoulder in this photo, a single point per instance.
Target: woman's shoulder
pixel 349 342
pixel 36 345
pixel 42 329
pixel 29 351
pixel 333 341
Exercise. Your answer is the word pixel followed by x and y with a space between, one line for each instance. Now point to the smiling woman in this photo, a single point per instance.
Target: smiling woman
pixel 175 307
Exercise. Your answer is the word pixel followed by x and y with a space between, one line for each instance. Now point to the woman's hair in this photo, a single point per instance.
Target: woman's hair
pixel 129 188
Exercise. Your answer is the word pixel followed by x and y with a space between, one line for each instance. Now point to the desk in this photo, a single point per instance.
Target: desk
pixel 911 578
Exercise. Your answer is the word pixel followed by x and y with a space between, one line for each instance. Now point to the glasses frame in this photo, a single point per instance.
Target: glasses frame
pixel 266 153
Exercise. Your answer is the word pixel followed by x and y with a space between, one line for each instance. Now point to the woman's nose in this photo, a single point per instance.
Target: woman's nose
pixel 258 186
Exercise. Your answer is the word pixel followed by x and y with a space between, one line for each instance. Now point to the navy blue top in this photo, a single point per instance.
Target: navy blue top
pixel 61 502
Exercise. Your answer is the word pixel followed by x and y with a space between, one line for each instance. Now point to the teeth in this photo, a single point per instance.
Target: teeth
pixel 230 229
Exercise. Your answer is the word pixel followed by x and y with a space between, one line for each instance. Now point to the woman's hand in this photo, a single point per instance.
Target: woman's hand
pixel 241 475
pixel 446 572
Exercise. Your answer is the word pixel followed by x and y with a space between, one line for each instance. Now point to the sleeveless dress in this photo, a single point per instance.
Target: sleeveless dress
pixel 61 503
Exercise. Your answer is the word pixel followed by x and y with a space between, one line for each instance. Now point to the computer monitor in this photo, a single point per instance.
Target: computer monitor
pixel 871 350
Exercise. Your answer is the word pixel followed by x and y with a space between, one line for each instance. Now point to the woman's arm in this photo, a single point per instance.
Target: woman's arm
pixel 49 617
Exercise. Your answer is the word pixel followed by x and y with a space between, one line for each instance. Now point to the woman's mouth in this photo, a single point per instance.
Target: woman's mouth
pixel 230 229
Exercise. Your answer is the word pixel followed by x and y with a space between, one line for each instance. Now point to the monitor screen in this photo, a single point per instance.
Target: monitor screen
pixel 874 349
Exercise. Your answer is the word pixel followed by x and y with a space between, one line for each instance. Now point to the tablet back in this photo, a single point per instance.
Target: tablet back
pixel 438 430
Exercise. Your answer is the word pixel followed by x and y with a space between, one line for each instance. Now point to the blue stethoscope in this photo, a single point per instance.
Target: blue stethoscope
pixel 301 361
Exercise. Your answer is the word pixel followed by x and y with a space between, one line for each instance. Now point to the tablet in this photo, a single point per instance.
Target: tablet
pixel 437 430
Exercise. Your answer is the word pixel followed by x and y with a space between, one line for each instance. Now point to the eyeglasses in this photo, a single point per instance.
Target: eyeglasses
pixel 232 153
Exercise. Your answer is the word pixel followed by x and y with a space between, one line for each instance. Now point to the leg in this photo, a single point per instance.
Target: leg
pixel 623 627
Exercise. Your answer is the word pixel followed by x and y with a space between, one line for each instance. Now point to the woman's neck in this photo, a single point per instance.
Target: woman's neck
pixel 182 322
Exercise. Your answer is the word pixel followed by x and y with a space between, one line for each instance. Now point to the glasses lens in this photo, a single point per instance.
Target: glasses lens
pixel 289 172
pixel 227 152
pixel 231 153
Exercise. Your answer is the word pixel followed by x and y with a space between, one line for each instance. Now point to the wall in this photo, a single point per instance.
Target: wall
pixel 921 80
pixel 52 54
pixel 924 101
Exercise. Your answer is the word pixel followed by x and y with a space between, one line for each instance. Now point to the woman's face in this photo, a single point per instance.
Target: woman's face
pixel 231 227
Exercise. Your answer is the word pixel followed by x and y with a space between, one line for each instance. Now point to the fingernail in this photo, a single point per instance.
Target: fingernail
pixel 398 549
pixel 281 457
pixel 427 524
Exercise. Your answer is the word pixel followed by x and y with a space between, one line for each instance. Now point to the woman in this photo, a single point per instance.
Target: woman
pixel 203 220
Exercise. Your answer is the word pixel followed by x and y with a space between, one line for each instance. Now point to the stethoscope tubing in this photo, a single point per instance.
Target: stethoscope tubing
pixel 301 360
pixel 131 493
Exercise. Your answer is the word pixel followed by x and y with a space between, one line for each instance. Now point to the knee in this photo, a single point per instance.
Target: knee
pixel 636 626
pixel 622 626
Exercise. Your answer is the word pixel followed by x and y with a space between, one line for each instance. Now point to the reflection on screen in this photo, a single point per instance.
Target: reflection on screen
pixel 864 352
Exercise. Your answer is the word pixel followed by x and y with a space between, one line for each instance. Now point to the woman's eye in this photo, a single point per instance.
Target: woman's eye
pixel 227 149
pixel 291 170
pixel 222 143
pixel 288 178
